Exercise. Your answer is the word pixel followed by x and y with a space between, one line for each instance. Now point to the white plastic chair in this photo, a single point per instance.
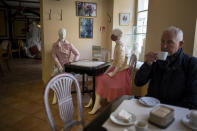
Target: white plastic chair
pixel 61 84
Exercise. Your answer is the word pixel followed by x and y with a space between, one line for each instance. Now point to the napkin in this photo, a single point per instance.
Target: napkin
pixel 124 116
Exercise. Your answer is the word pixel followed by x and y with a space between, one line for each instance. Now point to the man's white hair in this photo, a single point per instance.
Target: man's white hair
pixel 117 32
pixel 177 31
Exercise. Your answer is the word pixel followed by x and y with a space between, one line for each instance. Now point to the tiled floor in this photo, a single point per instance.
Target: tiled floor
pixel 21 99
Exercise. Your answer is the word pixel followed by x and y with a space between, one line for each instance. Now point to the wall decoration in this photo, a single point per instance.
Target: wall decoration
pixel 85 8
pixel 124 18
pixel 86 28
pixel 19 28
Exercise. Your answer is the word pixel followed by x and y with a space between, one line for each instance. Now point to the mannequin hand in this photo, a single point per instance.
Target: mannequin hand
pixel 111 74
pixel 61 69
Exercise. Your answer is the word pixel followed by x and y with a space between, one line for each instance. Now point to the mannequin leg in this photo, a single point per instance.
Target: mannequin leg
pixel 89 104
pixel 54 99
pixel 97 105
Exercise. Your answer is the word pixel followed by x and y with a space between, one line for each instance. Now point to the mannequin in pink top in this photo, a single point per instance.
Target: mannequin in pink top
pixel 115 82
pixel 61 53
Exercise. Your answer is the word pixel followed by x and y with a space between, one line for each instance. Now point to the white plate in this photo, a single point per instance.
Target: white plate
pixel 149 101
pixel 185 121
pixel 114 119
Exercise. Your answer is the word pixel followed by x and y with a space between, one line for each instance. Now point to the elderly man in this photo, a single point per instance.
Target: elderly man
pixel 173 81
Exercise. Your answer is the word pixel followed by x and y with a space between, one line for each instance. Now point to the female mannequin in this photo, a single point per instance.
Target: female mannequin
pixel 117 75
pixel 61 53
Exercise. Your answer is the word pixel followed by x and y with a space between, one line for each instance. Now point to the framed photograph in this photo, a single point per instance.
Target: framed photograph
pixel 124 18
pixel 86 27
pixel 85 9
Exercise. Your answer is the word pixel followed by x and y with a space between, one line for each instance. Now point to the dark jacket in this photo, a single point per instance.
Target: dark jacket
pixel 173 81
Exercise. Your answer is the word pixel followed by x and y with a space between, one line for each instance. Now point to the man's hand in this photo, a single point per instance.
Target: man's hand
pixel 150 58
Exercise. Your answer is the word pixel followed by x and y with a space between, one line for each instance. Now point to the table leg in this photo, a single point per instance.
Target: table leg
pixel 83 84
pixel 93 93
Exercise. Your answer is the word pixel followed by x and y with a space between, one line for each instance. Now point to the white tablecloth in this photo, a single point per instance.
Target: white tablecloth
pixel 88 63
pixel 142 113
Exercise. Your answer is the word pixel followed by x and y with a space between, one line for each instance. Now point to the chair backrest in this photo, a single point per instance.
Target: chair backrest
pixel 96 52
pixel 105 55
pixel 132 66
pixel 100 54
pixel 61 84
pixel 6 49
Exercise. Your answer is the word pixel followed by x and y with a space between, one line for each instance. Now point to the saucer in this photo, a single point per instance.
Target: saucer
pixel 185 121
pixel 149 101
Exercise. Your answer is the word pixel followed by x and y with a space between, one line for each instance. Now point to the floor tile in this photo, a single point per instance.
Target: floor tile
pixel 12 117
pixel 21 99
pixel 27 123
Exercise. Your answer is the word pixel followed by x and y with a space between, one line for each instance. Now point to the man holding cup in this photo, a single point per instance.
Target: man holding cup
pixel 172 80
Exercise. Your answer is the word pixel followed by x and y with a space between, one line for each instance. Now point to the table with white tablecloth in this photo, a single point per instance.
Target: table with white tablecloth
pixel 91 68
pixel 142 113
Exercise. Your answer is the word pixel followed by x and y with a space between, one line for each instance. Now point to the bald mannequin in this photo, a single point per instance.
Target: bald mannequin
pixel 61 53
pixel 62 34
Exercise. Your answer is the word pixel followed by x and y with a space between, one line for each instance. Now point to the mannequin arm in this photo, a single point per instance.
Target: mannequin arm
pixel 56 60
pixel 108 69
pixel 75 52
pixel 111 74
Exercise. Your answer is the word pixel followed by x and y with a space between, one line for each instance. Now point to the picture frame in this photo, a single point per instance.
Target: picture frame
pixel 86 28
pixel 19 28
pixel 85 9
pixel 124 18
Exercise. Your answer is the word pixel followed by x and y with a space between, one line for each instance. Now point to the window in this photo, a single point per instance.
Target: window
pixel 138 32
pixel 142 16
pixel 141 26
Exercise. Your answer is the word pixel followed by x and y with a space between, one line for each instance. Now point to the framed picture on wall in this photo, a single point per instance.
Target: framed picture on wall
pixel 85 9
pixel 124 18
pixel 19 28
pixel 86 27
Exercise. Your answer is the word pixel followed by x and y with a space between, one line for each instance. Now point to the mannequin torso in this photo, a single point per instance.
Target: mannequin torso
pixel 62 50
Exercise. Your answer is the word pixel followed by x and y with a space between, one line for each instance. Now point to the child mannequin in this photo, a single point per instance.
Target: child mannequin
pixel 61 53
pixel 117 75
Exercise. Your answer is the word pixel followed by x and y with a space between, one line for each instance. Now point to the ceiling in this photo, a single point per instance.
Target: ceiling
pixel 22 8
pixel 32 4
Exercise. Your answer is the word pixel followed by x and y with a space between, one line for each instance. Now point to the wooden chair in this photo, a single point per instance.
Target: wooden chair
pixel 18 49
pixel 100 54
pixel 132 63
pixel 132 66
pixel 61 84
pixel 5 54
pixel 96 53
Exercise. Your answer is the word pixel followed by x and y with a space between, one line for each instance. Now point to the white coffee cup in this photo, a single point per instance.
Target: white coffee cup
pixel 193 118
pixel 162 55
pixel 141 126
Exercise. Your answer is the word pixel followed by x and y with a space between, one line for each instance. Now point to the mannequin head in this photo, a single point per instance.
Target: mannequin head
pixel 116 34
pixel 62 34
